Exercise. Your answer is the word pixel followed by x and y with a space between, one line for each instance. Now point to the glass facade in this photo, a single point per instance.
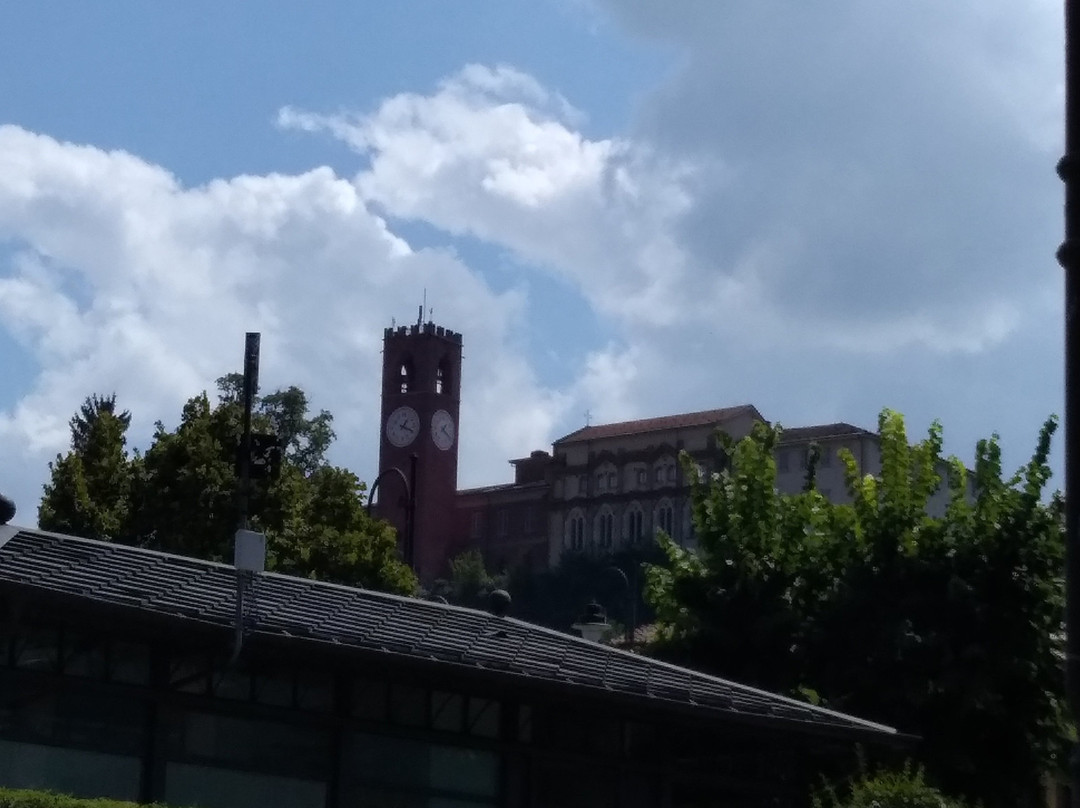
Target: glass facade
pixel 81 713
pixel 98 714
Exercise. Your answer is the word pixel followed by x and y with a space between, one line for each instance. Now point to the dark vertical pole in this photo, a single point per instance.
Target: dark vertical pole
pixel 410 524
pixel 251 387
pixel 1069 256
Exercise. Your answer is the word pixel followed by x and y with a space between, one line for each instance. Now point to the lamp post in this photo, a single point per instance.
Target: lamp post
pixel 409 486
pixel 593 624
pixel 1069 257
pixel 630 588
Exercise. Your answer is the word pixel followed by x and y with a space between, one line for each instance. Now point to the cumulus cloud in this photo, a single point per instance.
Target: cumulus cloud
pixel 121 279
pixel 490 155
pixel 823 210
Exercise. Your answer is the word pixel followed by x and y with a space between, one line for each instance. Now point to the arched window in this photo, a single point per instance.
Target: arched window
pixel 442 377
pixel 405 376
pixel 605 529
pixel 606 478
pixel 575 531
pixel 664 471
pixel 689 539
pixel 633 523
pixel 665 517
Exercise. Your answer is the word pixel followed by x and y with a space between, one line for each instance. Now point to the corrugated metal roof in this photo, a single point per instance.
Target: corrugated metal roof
pixel 174 587
pixel 665 422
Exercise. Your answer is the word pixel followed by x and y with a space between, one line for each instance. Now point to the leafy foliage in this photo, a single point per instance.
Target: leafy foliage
pixel 469 581
pixel 906 788
pixel 304 440
pixel 947 626
pixel 90 488
pixel 181 495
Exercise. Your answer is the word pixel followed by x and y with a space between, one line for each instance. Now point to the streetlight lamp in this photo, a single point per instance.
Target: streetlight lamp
pixel 408 484
pixel 631 599
pixel 592 624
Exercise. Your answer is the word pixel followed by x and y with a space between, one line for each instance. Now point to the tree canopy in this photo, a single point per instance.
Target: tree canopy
pixel 181 494
pixel 948 627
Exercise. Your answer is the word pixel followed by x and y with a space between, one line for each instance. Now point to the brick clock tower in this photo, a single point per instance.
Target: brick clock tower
pixel 421 397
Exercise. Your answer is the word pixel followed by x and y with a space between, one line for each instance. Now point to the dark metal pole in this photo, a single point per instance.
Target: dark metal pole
pixel 1069 257
pixel 251 387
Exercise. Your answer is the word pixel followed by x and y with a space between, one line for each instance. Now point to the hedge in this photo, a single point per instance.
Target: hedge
pixel 21 798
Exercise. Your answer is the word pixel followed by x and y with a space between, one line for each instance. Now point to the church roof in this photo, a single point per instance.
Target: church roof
pixel 85 573
pixel 821 432
pixel 661 424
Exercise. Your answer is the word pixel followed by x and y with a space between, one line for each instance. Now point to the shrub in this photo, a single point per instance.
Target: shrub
pixel 906 788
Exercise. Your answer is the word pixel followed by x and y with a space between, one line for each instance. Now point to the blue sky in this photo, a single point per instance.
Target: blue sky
pixel 631 209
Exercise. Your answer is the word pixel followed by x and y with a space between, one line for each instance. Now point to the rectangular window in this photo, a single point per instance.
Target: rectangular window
pixel 642 477
pixel 79 772
pixel 826 457
pixel 129 662
pixel 38 649
pixel 447 711
pixel 192 784
pixel 84 655
pixel 583 485
pixel 612 481
pixel 504 522
pixel 782 460
pixel 600 479
pixel 408 705
pixel 375 767
pixel 671 474
pixel 369 699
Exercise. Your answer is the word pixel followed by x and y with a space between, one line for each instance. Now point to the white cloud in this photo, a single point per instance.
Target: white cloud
pixel 825 210
pixel 123 280
pixel 479 157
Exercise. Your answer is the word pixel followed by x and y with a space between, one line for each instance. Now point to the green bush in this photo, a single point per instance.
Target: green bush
pixel 906 788
pixel 19 798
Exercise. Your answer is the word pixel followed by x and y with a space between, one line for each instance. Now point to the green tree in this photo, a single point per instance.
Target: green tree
pixel 903 788
pixel 327 534
pixel 947 626
pixel 89 489
pixel 181 495
pixel 469 581
pixel 304 440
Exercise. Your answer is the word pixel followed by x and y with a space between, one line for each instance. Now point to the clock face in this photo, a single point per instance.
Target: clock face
pixel 402 426
pixel 442 429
